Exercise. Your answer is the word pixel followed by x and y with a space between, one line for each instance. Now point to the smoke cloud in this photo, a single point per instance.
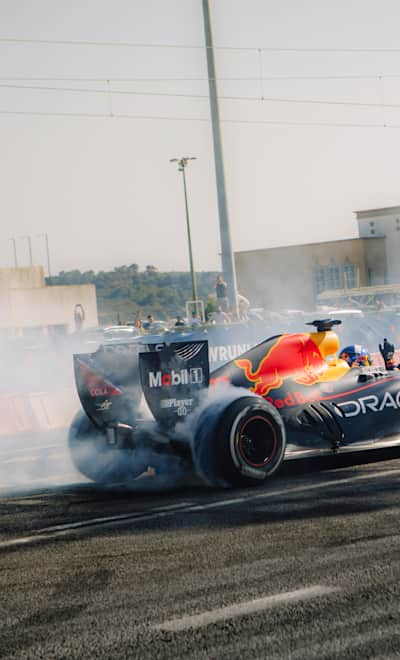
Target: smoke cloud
pixel 37 402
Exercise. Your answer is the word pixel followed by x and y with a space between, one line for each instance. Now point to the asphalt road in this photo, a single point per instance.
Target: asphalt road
pixel 307 567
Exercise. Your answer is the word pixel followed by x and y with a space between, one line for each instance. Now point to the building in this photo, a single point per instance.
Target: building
pixel 291 277
pixel 384 223
pixel 28 306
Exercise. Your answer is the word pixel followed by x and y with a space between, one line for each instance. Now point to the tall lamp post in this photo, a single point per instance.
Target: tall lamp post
pixel 182 163
pixel 46 238
pixel 228 263
pixel 28 238
pixel 15 252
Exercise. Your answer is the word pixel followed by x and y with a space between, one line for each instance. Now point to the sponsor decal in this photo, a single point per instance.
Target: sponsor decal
pixel 371 403
pixel 294 356
pixel 99 391
pixel 293 399
pixel 228 352
pixel 176 403
pixel 120 348
pixel 103 406
pixel 97 385
pixel 193 376
pixel 180 407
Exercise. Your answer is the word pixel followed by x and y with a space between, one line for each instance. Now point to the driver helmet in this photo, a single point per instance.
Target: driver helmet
pixel 356 356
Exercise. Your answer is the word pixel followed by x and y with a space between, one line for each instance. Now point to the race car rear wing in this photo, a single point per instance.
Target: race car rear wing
pixel 171 379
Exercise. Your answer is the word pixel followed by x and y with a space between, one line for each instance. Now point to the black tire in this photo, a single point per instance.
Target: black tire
pixel 239 441
pixel 95 460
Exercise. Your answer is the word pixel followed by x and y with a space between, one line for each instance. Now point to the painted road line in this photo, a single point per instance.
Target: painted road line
pixel 20 459
pixel 38 448
pixel 182 507
pixel 65 530
pixel 104 520
pixel 243 609
pixel 328 484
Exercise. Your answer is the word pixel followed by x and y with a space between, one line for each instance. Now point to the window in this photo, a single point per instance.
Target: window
pixel 333 273
pixel 349 275
pixel 319 279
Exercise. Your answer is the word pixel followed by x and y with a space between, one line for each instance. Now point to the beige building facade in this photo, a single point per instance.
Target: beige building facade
pixel 27 305
pixel 384 223
pixel 292 277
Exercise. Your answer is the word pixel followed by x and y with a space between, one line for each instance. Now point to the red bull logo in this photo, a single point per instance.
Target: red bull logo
pixel 294 356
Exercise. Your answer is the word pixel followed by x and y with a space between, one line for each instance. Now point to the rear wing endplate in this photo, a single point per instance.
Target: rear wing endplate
pixel 173 378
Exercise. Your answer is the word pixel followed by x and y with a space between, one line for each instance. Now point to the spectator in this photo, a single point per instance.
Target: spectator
pixel 79 317
pixel 138 321
pixel 195 321
pixel 221 289
pixel 179 321
pixel 148 324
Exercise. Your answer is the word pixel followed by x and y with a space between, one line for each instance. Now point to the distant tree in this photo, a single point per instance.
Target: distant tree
pixel 124 289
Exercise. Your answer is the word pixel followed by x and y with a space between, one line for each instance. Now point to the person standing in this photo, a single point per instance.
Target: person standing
pixel 179 322
pixel 79 317
pixel 148 324
pixel 221 289
pixel 138 321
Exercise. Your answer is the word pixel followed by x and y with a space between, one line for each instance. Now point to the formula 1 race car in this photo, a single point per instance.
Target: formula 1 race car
pixel 288 397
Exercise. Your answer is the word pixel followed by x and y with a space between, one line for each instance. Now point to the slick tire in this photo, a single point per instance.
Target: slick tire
pixel 238 442
pixel 94 459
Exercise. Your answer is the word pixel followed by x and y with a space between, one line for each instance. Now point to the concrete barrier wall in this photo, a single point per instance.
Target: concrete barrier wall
pixel 38 412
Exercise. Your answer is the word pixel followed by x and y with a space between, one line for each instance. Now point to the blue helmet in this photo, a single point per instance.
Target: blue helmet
pixel 356 355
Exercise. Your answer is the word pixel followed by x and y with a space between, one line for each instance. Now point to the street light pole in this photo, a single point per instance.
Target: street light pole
pixel 15 252
pixel 46 238
pixel 228 264
pixel 182 163
pixel 28 238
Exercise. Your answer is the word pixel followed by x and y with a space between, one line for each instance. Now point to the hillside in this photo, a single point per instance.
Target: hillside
pixel 125 290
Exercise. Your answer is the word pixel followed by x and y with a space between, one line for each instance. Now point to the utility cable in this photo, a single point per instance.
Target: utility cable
pixel 264 99
pixel 128 44
pixel 255 122
pixel 370 76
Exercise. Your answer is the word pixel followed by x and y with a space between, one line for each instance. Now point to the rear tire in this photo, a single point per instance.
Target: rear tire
pixel 239 441
pixel 93 458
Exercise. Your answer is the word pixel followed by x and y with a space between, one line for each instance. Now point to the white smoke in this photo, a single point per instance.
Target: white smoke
pixel 37 402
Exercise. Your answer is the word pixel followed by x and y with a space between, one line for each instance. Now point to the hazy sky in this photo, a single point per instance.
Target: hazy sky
pixel 102 186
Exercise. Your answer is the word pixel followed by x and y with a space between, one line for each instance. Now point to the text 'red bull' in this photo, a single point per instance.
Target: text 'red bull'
pixel 294 356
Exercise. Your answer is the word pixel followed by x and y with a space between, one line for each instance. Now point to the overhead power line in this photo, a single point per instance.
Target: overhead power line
pixel 255 122
pixel 264 99
pixel 107 79
pixel 128 44
pixel 361 76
